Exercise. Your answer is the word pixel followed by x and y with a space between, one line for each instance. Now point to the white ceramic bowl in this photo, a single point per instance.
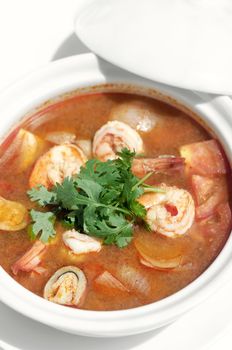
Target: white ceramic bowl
pixel 81 72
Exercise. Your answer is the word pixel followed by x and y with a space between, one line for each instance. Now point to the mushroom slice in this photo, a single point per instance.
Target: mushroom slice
pixel 80 243
pixel 138 114
pixel 66 287
pixel 60 137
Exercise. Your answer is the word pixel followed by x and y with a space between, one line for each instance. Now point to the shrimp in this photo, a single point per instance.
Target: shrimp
pixel 170 213
pixel 56 164
pixel 161 164
pixel 80 243
pixel 112 137
pixel 115 135
pixel 31 259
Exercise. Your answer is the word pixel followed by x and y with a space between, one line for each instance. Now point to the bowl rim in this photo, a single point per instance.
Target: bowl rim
pixel 86 70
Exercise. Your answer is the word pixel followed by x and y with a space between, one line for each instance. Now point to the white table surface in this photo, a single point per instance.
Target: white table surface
pixel 33 32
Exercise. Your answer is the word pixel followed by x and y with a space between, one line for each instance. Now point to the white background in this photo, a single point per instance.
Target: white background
pixel 32 33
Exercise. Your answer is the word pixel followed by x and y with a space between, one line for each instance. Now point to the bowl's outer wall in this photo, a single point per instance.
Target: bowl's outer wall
pixel 81 72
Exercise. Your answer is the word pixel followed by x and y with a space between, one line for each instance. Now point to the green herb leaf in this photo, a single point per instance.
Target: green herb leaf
pixel 66 193
pixel 100 201
pixel 42 223
pixel 42 196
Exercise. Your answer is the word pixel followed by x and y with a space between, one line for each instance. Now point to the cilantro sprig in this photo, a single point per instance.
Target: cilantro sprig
pixel 100 201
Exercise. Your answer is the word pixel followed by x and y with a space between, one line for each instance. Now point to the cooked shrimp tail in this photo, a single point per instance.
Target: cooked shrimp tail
pixel 31 259
pixel 162 164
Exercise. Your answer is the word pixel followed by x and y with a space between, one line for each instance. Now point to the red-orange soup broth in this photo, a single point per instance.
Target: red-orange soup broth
pixel 126 279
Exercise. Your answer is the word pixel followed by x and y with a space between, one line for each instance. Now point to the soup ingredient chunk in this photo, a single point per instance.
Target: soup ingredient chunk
pixel 170 213
pixel 60 137
pixel 108 284
pixel 204 158
pixel 55 165
pixel 31 259
pixel 112 137
pixel 80 243
pixel 13 215
pixel 220 222
pixel 134 279
pixel 24 150
pixel 67 286
pixel 139 115
pixel 100 201
pixel 209 193
pixel 157 252
pixel 162 164
pixel 86 146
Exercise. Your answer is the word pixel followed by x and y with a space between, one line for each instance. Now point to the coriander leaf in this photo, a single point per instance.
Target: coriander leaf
pixel 101 201
pixel 66 193
pixel 43 223
pixel 102 173
pixel 92 189
pixel 111 226
pixel 125 158
pixel 73 219
pixel 111 195
pixel 42 196
pixel 138 209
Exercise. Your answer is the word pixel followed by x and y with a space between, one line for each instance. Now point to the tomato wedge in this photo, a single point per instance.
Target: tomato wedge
pixel 208 193
pixel 221 221
pixel 204 158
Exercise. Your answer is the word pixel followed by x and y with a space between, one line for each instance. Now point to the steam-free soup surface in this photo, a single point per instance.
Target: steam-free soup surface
pixel 164 131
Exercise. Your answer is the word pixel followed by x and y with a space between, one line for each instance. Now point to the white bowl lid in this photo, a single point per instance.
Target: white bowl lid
pixel 185 43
